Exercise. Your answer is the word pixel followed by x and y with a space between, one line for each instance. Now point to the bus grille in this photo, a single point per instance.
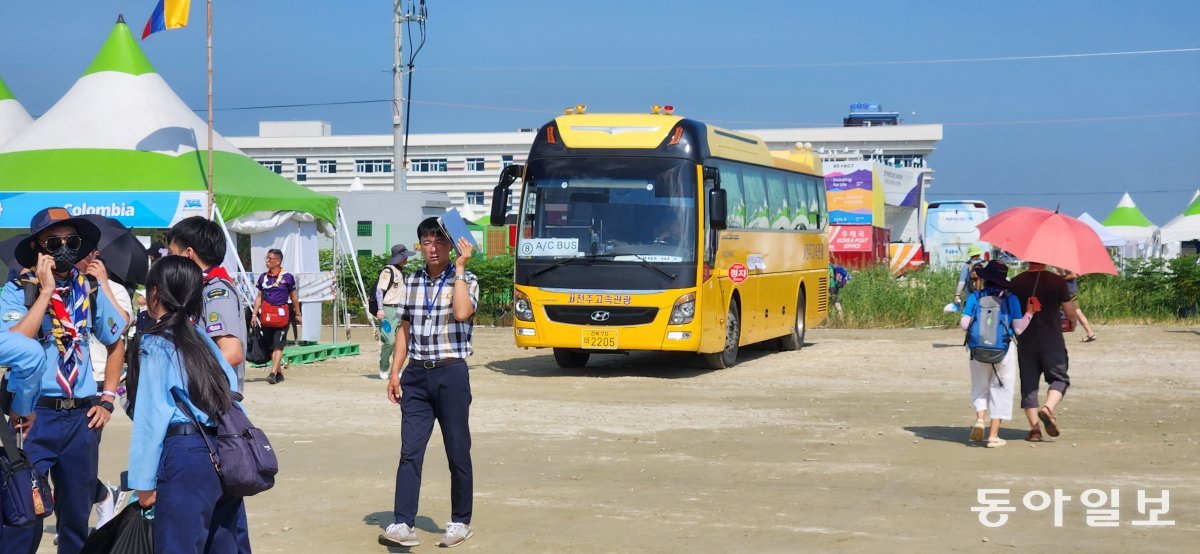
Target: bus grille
pixel 823 295
pixel 601 315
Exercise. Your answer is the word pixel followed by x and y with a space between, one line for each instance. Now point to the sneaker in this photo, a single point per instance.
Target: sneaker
pixel 996 442
pixel 273 378
pixel 456 534
pixel 106 509
pixel 977 430
pixel 383 375
pixel 399 534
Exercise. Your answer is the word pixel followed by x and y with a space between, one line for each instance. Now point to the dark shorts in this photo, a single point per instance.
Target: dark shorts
pixel 275 339
pixel 1034 366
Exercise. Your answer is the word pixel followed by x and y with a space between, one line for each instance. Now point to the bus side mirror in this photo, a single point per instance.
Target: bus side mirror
pixel 501 193
pixel 717 209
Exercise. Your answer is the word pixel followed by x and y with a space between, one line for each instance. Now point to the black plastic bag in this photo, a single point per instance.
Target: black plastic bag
pixel 131 532
pixel 257 349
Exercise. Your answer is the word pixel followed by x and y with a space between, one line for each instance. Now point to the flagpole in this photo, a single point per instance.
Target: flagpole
pixel 210 113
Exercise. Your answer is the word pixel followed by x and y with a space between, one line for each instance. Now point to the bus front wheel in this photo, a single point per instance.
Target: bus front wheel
pixel 795 339
pixel 733 334
pixel 568 358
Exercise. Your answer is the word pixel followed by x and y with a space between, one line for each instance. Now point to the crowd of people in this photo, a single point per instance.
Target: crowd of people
pixel 78 346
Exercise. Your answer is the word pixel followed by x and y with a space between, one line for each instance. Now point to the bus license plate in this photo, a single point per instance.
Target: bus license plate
pixel 600 339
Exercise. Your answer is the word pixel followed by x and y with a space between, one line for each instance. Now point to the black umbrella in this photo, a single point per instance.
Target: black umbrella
pixel 8 251
pixel 121 251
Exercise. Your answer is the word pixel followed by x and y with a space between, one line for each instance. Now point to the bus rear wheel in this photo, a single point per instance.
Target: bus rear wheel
pixel 568 358
pixel 795 339
pixel 733 334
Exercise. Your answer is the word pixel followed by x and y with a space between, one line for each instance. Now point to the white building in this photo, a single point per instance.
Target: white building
pixel 465 166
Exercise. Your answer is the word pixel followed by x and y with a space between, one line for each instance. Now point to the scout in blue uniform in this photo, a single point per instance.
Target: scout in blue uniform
pixel 169 463
pixel 59 306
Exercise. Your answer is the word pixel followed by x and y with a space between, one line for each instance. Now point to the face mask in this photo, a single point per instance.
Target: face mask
pixel 64 258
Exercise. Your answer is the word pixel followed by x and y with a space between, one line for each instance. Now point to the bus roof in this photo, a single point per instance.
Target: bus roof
pixel 975 203
pixel 627 134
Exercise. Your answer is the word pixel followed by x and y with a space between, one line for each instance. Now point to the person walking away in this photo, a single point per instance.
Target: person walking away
pixel 974 257
pixel 1042 353
pixel 437 318
pixel 992 319
pixel 179 366
pixel 276 292
pixel 65 310
pixel 838 277
pixel 1072 280
pixel 389 294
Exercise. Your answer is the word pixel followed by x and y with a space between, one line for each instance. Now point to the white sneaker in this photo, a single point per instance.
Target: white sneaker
pixel 456 534
pixel 399 534
pixel 383 375
pixel 106 509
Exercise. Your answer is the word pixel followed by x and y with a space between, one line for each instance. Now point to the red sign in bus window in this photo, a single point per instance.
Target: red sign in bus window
pixel 737 273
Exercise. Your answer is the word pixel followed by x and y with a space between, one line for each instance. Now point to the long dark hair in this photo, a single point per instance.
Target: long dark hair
pixel 177 283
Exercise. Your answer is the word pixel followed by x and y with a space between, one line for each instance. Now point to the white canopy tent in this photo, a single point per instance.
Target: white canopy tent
pixel 13 117
pixel 1110 239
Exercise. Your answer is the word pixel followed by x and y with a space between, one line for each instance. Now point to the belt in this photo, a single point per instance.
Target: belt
pixel 176 429
pixel 431 364
pixel 61 403
pixel 391 305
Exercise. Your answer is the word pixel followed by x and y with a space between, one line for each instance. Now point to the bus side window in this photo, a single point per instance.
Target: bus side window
pixel 736 207
pixel 777 201
pixel 796 186
pixel 755 189
pixel 816 203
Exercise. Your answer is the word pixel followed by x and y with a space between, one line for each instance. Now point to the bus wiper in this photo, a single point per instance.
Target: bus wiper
pixel 565 261
pixel 646 263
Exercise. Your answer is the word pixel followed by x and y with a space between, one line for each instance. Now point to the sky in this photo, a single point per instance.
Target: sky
pixel 1053 132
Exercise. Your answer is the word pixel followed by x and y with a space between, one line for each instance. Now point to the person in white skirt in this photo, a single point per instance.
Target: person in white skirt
pixel 992 319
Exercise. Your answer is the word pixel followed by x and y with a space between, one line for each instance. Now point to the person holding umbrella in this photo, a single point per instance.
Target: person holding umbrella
pixel 54 303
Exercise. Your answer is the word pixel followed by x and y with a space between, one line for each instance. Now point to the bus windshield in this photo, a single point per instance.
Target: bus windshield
pixel 624 209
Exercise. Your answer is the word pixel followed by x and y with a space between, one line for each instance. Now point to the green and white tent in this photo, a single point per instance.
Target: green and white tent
pixel 121 143
pixel 13 117
pixel 1185 226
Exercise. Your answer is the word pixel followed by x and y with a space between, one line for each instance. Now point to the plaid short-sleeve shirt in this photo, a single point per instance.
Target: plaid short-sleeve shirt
pixel 427 307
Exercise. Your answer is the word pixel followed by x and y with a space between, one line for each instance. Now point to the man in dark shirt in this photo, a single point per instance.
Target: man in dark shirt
pixel 1041 350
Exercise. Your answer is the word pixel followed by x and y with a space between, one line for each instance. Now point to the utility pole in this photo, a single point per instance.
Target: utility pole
pixel 399 182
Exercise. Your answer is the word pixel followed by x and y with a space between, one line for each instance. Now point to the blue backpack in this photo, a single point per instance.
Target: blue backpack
pixel 991 329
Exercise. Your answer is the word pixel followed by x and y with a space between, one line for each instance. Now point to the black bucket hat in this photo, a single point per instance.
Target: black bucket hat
pixel 27 249
pixel 994 273
pixel 400 255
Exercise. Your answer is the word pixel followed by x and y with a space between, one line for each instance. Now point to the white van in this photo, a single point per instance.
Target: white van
pixel 950 229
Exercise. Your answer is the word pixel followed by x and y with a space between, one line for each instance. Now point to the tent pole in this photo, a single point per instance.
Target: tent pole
pixel 210 113
pixel 337 299
pixel 362 289
pixel 244 282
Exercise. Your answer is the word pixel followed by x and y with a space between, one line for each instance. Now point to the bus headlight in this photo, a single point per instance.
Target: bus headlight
pixel 684 310
pixel 522 309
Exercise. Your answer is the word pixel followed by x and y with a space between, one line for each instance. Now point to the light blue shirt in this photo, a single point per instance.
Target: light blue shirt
pixel 26 361
pixel 108 321
pixel 160 372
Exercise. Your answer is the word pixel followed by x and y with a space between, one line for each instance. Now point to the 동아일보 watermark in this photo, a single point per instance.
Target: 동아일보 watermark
pixel 1103 506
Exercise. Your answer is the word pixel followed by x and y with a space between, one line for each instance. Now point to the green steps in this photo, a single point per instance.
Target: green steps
pixel 307 353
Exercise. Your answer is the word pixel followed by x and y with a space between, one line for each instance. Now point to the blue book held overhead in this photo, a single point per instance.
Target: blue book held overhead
pixel 456 227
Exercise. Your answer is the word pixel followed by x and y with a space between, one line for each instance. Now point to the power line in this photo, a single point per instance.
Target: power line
pixel 1078 193
pixel 821 64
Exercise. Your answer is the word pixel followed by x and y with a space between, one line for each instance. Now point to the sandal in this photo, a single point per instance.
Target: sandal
pixel 1089 338
pixel 977 431
pixel 996 442
pixel 1047 416
pixel 1035 435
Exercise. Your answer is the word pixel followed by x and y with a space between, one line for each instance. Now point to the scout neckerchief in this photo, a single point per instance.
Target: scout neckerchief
pixel 428 301
pixel 217 272
pixel 70 323
pixel 278 279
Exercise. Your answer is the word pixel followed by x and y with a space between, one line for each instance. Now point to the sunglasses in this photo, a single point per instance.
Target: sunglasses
pixel 53 244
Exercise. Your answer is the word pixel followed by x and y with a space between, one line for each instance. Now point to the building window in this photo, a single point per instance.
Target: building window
pixel 506 160
pixel 426 165
pixel 373 166
pixel 474 164
pixel 475 198
pixel 301 170
pixel 365 253
pixel 327 166
pixel 273 165
pixel 365 228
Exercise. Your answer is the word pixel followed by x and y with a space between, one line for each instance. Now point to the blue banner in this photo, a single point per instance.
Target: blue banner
pixel 133 209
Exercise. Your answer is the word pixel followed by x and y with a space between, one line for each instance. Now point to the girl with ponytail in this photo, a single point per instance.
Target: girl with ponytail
pixel 169 465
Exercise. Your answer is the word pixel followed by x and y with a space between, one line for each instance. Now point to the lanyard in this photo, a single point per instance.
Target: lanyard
pixel 430 302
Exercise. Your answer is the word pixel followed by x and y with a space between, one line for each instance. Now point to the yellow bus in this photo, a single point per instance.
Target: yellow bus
pixel 656 232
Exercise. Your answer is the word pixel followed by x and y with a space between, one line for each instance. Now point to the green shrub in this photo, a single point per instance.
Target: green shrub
pixel 874 298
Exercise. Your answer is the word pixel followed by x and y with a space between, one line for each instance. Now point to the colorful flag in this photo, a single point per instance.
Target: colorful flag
pixel 168 14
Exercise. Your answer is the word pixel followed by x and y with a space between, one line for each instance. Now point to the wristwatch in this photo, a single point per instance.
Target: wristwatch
pixel 460 277
pixel 107 406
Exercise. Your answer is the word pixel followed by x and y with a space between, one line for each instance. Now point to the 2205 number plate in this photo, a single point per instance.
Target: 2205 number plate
pixel 600 339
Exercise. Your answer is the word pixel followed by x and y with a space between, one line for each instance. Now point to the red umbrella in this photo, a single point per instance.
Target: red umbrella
pixel 1039 235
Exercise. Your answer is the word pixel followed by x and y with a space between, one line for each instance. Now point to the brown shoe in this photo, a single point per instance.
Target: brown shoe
pixel 1047 416
pixel 1035 435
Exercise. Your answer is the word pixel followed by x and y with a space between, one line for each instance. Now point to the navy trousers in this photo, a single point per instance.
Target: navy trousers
pixel 62 447
pixel 442 394
pixel 191 513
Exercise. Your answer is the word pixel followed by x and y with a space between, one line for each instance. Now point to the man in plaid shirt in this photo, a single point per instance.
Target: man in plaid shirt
pixel 436 317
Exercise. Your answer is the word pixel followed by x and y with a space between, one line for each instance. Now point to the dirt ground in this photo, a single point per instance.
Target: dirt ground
pixel 858 442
